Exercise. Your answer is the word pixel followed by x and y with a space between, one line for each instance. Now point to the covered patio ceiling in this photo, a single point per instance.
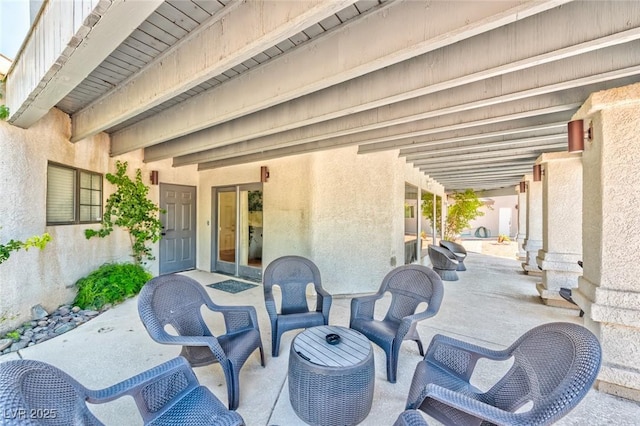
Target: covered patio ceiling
pixel 471 93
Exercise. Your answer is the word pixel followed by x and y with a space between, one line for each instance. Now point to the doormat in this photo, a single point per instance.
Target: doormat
pixel 232 286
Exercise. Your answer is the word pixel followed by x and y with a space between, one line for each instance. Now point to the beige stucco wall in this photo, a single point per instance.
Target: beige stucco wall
pixel 357 218
pixel 609 290
pixel 342 210
pixel 286 205
pixel 47 277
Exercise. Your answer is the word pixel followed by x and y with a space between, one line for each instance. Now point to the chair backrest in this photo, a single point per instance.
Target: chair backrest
pixel 441 257
pixel 175 300
pixel 554 367
pixel 453 246
pixel 292 274
pixel 33 392
pixel 409 286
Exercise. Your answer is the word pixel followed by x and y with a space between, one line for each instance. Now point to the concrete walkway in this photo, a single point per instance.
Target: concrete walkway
pixel 492 304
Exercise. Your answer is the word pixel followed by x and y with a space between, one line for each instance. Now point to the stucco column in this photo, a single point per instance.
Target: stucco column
pixel 609 290
pixel 533 241
pixel 561 225
pixel 522 220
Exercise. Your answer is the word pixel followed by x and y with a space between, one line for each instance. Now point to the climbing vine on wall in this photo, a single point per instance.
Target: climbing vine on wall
pixel 38 241
pixel 129 208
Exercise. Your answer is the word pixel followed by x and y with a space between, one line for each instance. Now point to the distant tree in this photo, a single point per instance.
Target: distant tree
pixel 465 207
pixel 427 210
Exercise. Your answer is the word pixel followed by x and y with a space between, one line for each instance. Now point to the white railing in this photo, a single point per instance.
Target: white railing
pixel 56 32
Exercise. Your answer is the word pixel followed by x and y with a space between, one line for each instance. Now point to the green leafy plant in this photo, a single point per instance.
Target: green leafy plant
pixel 13 335
pixel 465 207
pixel 110 283
pixel 37 241
pixel 502 238
pixel 129 208
pixel 4 111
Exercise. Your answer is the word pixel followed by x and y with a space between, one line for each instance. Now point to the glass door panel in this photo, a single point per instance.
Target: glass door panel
pixel 226 231
pixel 239 236
pixel 254 228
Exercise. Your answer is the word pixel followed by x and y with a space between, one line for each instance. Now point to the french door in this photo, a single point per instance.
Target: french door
pixel 237 234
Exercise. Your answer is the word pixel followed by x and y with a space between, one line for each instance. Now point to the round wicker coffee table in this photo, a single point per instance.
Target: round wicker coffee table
pixel 331 384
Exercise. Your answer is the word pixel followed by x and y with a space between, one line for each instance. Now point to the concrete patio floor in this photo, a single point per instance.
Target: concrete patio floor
pixel 492 304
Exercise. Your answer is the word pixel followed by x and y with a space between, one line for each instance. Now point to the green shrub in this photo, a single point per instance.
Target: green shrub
pixel 110 283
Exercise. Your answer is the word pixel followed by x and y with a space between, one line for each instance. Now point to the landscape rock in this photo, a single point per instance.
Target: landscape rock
pixel 63 319
pixel 63 328
pixel 38 312
pixel 5 343
pixel 19 345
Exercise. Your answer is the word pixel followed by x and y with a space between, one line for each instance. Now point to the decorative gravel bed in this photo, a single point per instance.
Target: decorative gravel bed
pixel 46 326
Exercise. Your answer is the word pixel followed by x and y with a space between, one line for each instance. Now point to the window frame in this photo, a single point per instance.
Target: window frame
pixel 76 195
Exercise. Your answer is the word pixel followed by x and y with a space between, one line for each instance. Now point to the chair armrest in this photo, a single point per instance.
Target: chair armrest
pixel 459 358
pixel 270 304
pixel 210 341
pixel 470 406
pixel 134 385
pixel 363 306
pixel 322 292
pixel 409 320
pixel 323 303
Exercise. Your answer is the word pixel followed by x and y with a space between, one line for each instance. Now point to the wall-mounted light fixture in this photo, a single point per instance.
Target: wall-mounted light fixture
pixel 537 173
pixel 154 177
pixel 576 135
pixel 575 131
pixel 264 174
pixel 523 187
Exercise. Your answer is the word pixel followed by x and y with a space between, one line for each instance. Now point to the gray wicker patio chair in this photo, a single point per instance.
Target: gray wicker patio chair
pixel 36 393
pixel 176 300
pixel 443 262
pixel 554 366
pixel 409 286
pixel 292 274
pixel 410 418
pixel 458 251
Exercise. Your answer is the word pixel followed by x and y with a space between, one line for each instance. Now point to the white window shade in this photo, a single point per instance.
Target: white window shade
pixel 61 192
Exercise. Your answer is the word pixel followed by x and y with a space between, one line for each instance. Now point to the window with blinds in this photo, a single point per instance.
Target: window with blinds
pixel 73 195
